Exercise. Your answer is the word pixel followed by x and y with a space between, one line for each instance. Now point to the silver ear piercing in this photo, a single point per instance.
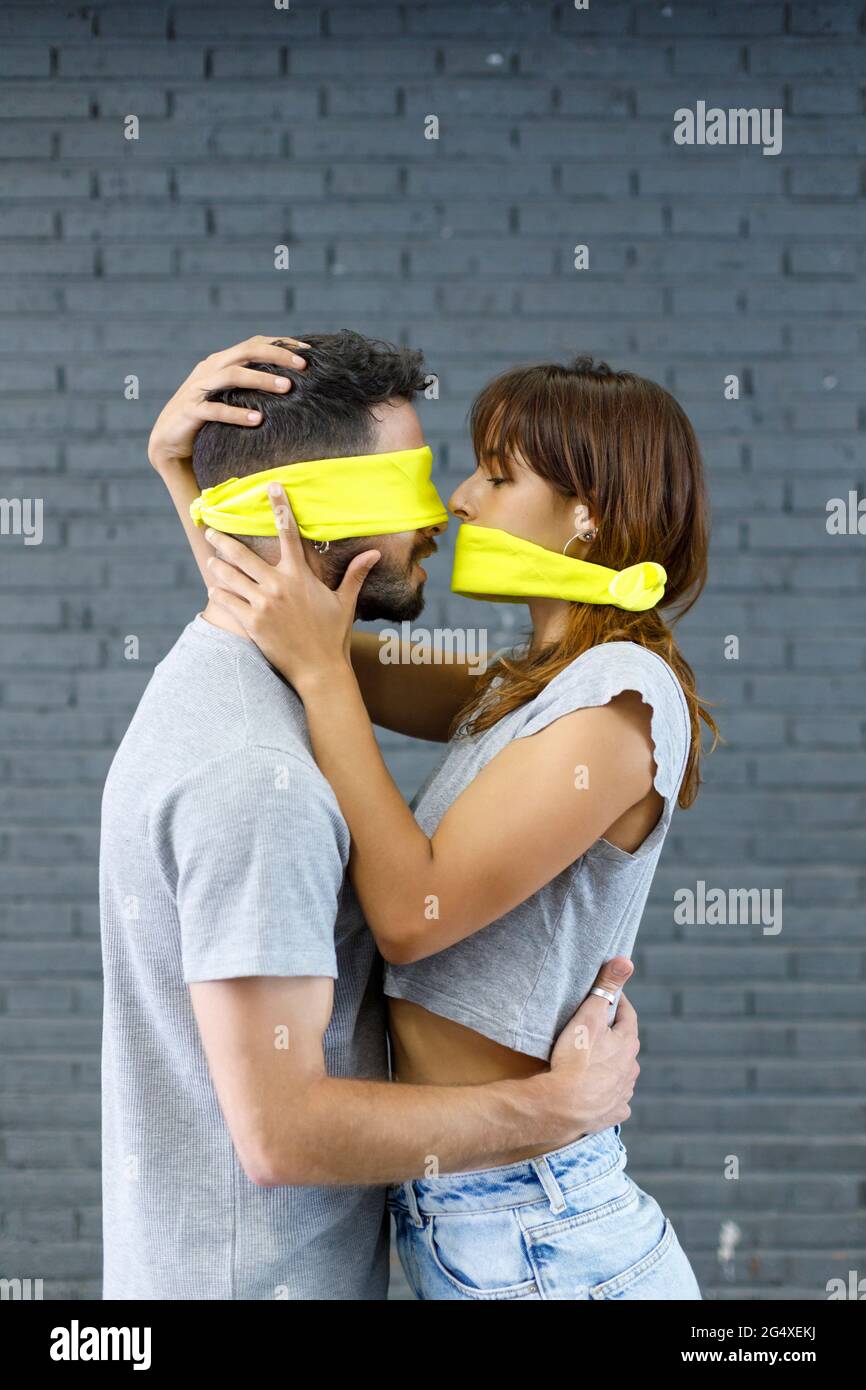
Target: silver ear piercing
pixel 321 546
pixel 578 535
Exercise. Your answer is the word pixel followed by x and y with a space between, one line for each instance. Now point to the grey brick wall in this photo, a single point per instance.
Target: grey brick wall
pixel 259 127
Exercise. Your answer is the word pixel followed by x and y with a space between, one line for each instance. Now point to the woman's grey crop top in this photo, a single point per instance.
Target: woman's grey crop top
pixel 519 979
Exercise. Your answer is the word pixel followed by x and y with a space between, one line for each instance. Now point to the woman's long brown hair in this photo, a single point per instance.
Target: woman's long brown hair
pixel 624 448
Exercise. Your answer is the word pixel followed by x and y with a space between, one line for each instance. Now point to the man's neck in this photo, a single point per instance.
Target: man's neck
pixel 220 617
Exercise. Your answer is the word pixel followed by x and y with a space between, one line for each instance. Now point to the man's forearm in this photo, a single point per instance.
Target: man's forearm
pixel 374 1132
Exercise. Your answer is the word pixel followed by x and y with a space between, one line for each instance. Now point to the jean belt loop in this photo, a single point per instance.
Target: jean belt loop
pixel 553 1191
pixel 412 1203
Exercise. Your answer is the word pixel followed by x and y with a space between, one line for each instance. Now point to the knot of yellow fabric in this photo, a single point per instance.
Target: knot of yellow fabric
pixel 639 586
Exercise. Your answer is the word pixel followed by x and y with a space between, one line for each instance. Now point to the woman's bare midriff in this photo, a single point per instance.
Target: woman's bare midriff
pixel 433 1051
pixel 429 1050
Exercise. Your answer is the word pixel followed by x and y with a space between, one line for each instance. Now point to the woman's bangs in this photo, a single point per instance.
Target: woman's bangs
pixel 497 427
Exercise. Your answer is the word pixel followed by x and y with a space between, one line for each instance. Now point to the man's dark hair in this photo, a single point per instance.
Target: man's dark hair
pixel 326 414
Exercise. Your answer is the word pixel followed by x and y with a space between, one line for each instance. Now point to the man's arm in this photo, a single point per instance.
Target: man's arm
pixel 417 700
pixel 253 848
pixel 293 1124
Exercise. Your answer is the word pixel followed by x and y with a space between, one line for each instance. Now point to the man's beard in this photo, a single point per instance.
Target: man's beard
pixel 389 591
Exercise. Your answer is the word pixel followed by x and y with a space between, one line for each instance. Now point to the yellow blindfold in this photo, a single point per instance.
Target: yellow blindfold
pixel 493 564
pixel 332 499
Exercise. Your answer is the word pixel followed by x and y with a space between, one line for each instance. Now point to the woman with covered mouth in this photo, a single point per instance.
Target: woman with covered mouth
pixel 526 858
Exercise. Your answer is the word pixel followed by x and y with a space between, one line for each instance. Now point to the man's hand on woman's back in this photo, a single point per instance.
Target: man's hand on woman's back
pixel 594 1066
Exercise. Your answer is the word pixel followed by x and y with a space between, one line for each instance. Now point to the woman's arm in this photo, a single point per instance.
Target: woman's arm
pixel 522 820
pixel 419 700
pixel 183 489
pixel 173 436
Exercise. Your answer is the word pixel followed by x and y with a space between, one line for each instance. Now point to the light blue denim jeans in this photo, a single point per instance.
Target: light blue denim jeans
pixel 569 1224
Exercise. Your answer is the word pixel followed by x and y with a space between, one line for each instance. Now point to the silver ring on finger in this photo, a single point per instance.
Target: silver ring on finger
pixel 605 994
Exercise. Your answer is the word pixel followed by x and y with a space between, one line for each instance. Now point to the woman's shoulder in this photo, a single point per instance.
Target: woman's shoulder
pixel 615 660
pixel 598 675
pixel 612 661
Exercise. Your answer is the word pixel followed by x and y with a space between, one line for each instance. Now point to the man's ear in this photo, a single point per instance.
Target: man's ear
pixel 321 562
pixel 266 547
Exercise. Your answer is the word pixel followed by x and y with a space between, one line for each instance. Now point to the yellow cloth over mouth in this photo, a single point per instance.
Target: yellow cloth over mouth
pixel 332 499
pixel 493 564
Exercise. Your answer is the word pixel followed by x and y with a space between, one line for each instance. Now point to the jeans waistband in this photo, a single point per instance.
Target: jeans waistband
pixel 547 1176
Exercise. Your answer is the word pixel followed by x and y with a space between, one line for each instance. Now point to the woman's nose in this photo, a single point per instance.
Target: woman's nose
pixel 458 504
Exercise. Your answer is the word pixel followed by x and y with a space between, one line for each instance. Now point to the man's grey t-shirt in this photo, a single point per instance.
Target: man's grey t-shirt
pixel 223 854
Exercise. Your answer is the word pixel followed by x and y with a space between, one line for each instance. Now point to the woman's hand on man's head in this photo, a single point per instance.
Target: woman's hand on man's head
pixel 172 437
